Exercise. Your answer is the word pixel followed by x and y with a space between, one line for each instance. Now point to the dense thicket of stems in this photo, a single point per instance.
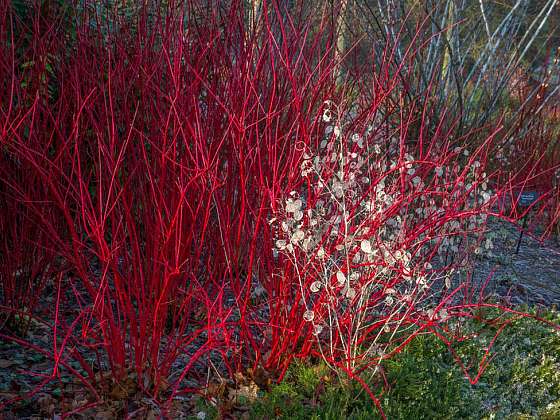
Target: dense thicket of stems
pixel 205 191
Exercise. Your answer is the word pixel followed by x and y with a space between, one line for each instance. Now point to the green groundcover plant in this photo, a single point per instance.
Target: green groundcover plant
pixel 522 381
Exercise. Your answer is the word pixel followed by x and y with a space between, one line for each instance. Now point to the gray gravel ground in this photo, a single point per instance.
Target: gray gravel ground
pixel 532 276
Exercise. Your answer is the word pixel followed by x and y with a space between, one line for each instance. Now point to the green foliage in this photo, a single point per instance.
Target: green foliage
pixel 524 377
pixel 284 400
pixel 426 383
pixel 522 381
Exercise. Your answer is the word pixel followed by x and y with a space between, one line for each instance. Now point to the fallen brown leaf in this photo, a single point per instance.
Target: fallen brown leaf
pixel 249 392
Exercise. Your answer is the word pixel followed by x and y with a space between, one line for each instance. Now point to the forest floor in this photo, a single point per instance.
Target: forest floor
pixel 531 276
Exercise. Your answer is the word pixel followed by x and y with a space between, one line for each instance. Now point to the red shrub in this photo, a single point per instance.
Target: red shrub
pixel 205 216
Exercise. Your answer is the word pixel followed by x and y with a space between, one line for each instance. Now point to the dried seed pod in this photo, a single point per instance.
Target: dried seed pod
pixel 297 236
pixel 351 293
pixel 317 329
pixel 340 278
pixel 315 286
pixel 365 246
pixel 293 206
